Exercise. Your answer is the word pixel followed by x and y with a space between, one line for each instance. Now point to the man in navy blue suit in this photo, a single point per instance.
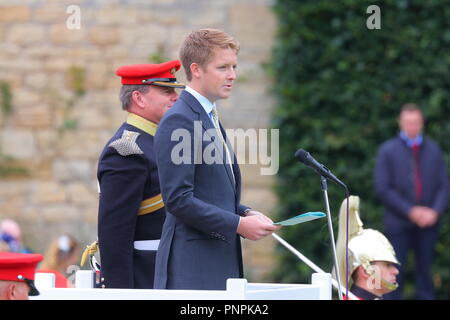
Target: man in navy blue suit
pixel 131 211
pixel 412 183
pixel 201 184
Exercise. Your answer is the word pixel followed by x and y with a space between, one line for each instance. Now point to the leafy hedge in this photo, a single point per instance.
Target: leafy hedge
pixel 339 87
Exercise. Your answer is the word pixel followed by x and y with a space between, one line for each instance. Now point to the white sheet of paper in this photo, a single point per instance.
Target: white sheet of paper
pixel 308 216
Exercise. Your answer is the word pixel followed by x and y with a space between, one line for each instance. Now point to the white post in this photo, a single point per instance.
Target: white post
pixel 324 281
pixel 84 279
pixel 237 288
pixel 44 280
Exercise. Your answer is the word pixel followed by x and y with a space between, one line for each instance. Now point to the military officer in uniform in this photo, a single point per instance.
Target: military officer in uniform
pixel 131 209
pixel 372 264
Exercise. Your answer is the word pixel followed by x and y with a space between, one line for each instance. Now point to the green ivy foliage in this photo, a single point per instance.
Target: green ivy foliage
pixel 339 89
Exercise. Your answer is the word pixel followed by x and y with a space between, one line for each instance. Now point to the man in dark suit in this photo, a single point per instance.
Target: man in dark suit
pixel 200 243
pixel 412 183
pixel 131 210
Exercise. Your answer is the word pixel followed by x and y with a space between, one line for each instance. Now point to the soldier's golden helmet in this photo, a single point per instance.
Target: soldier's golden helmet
pixel 364 245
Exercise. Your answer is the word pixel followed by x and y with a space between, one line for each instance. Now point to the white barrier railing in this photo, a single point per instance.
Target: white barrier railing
pixel 236 289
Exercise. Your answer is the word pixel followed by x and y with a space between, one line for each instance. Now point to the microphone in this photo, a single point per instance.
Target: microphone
pixel 307 159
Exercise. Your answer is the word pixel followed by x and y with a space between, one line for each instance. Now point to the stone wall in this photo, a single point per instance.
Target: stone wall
pixel 59 101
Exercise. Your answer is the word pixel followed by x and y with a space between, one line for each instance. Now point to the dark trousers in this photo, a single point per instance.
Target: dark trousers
pixel 422 242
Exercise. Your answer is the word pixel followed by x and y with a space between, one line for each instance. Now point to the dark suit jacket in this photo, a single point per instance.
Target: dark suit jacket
pixel 199 247
pixel 394 180
pixel 124 182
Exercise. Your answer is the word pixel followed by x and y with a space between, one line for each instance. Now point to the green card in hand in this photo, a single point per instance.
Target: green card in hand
pixel 301 218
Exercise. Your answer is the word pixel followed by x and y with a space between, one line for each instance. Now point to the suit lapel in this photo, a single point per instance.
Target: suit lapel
pixel 235 179
pixel 208 125
pixel 203 118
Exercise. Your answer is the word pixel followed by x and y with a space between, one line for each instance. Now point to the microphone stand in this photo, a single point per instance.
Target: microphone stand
pixel 323 181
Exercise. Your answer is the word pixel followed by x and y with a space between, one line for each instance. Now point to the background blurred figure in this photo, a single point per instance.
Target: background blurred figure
pixel 412 183
pixel 4 247
pixel 11 234
pixel 60 254
pixel 17 272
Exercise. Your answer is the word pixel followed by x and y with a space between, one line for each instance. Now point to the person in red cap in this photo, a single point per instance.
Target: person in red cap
pixel 17 275
pixel 131 211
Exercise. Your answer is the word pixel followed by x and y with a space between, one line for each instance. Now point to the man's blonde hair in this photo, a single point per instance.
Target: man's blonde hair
pixel 199 46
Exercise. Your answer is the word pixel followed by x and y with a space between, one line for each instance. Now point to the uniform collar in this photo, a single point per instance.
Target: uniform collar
pixel 141 123
pixel 364 294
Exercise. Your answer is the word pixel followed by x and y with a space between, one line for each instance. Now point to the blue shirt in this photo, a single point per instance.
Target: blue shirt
pixel 205 103
pixel 411 141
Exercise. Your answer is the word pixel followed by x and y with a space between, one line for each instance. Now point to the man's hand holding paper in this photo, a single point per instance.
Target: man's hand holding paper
pixel 255 225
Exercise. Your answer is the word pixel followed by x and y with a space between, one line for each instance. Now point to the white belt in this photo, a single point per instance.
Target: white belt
pixel 146 245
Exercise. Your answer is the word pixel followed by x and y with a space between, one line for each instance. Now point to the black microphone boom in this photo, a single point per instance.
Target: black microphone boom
pixel 307 159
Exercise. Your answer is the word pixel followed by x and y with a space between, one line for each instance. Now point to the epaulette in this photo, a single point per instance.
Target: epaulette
pixel 127 145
